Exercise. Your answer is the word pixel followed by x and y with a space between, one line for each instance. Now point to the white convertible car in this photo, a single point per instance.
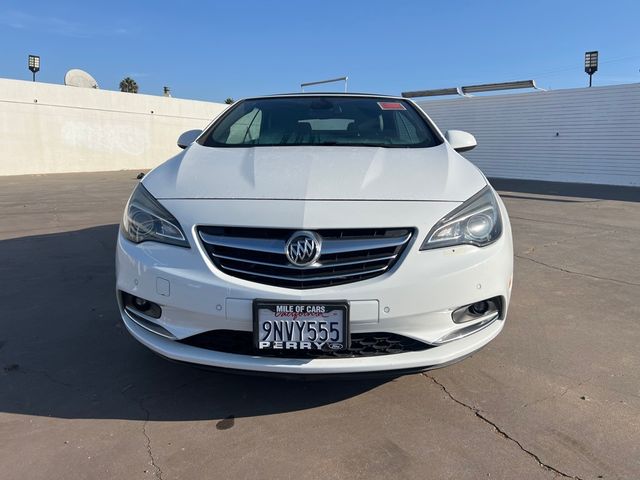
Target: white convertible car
pixel 316 234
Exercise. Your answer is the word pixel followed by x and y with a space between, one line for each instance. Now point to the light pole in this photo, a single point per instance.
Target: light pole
pixel 34 65
pixel 341 79
pixel 591 63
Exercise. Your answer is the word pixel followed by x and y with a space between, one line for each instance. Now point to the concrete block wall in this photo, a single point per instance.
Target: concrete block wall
pixel 47 128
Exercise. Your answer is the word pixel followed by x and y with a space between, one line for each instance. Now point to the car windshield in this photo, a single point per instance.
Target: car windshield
pixel 321 120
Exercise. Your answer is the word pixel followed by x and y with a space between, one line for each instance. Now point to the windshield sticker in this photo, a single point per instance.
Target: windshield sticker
pixel 391 106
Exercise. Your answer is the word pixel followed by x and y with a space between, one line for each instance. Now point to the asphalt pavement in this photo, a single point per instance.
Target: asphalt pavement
pixel 556 395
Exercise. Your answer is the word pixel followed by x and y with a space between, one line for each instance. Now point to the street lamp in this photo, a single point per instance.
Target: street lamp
pixel 34 65
pixel 591 63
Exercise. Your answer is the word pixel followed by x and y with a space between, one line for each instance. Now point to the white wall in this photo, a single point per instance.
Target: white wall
pixel 586 135
pixel 46 128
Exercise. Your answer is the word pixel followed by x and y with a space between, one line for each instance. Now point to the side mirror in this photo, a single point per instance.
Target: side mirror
pixel 188 137
pixel 460 141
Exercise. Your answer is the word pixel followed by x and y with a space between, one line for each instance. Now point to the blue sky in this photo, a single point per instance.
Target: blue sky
pixel 212 50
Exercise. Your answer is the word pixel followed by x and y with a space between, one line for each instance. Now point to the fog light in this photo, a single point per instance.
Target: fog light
pixel 478 310
pixel 140 305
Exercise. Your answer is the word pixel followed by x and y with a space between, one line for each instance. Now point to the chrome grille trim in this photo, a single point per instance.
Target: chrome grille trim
pixel 255 244
pixel 307 279
pixel 277 246
pixel 315 265
pixel 347 255
pixel 342 246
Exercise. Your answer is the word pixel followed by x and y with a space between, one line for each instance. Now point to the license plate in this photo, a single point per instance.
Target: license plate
pixel 300 325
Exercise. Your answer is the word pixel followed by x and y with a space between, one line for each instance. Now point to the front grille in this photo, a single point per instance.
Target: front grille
pixel 347 255
pixel 362 345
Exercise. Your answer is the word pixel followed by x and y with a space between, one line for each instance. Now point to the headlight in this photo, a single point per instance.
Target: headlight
pixel 476 222
pixel 145 219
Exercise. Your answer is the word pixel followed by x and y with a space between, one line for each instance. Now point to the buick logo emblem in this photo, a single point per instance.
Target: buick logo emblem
pixel 303 248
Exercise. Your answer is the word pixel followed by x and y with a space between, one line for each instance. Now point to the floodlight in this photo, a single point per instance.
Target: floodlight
pixel 34 65
pixel 591 63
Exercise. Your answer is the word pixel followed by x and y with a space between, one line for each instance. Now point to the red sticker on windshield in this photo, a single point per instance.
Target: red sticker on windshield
pixel 391 106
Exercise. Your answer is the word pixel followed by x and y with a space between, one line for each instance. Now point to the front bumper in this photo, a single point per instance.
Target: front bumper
pixel 426 359
pixel 415 299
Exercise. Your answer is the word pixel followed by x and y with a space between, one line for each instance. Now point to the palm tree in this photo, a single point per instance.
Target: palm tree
pixel 129 85
pixel 229 101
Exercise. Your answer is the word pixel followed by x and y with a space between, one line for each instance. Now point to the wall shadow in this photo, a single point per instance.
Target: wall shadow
pixel 577 190
pixel 65 353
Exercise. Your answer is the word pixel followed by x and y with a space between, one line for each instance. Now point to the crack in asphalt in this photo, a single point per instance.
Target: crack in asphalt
pixel 158 470
pixel 15 368
pixel 573 272
pixel 140 402
pixel 501 432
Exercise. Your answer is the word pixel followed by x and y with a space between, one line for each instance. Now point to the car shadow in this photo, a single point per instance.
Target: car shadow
pixel 583 191
pixel 65 353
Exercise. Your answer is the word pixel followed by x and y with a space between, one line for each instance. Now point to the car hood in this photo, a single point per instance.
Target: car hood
pixel 316 173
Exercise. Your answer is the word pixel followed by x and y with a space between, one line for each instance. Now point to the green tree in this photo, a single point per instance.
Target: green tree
pixel 128 85
pixel 229 101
